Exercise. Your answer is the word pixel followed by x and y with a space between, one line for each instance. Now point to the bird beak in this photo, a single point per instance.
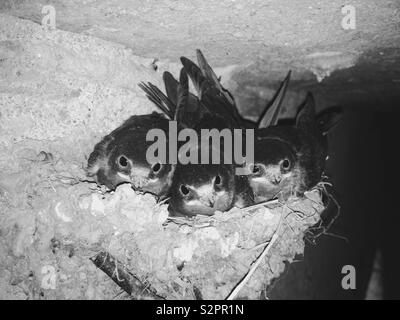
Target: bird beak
pixel 139 177
pixel 272 175
pixel 259 179
pixel 124 177
pixel 208 201
pixel 206 195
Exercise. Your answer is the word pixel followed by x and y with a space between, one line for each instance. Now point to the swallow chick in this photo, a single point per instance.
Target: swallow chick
pixel 202 189
pixel 275 168
pixel 290 160
pixel 222 113
pixel 120 157
pixel 207 188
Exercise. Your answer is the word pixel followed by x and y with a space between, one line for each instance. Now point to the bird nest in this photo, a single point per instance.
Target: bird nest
pixel 232 254
pixel 54 226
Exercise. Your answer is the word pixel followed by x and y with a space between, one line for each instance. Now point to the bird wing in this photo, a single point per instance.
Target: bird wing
pixel 156 96
pixel 182 94
pixel 329 118
pixel 210 75
pixel 171 86
pixel 209 95
pixel 270 114
pixel 306 116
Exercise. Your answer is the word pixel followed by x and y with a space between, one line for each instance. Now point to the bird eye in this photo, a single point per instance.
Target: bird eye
pixel 184 190
pixel 285 165
pixel 123 161
pixel 255 169
pixel 156 167
pixel 218 180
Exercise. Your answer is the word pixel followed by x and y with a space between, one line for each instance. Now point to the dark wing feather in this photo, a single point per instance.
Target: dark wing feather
pixel 182 96
pixel 329 118
pixel 270 115
pixel 209 95
pixel 199 81
pixel 171 86
pixel 156 96
pixel 306 112
pixel 209 73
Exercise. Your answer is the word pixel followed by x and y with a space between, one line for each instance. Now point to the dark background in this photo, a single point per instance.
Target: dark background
pixel 363 166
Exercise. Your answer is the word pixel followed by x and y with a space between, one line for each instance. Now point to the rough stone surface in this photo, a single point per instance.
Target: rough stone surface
pixel 263 39
pixel 58 84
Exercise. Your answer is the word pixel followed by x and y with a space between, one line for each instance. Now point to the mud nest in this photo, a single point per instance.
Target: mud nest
pixel 53 223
